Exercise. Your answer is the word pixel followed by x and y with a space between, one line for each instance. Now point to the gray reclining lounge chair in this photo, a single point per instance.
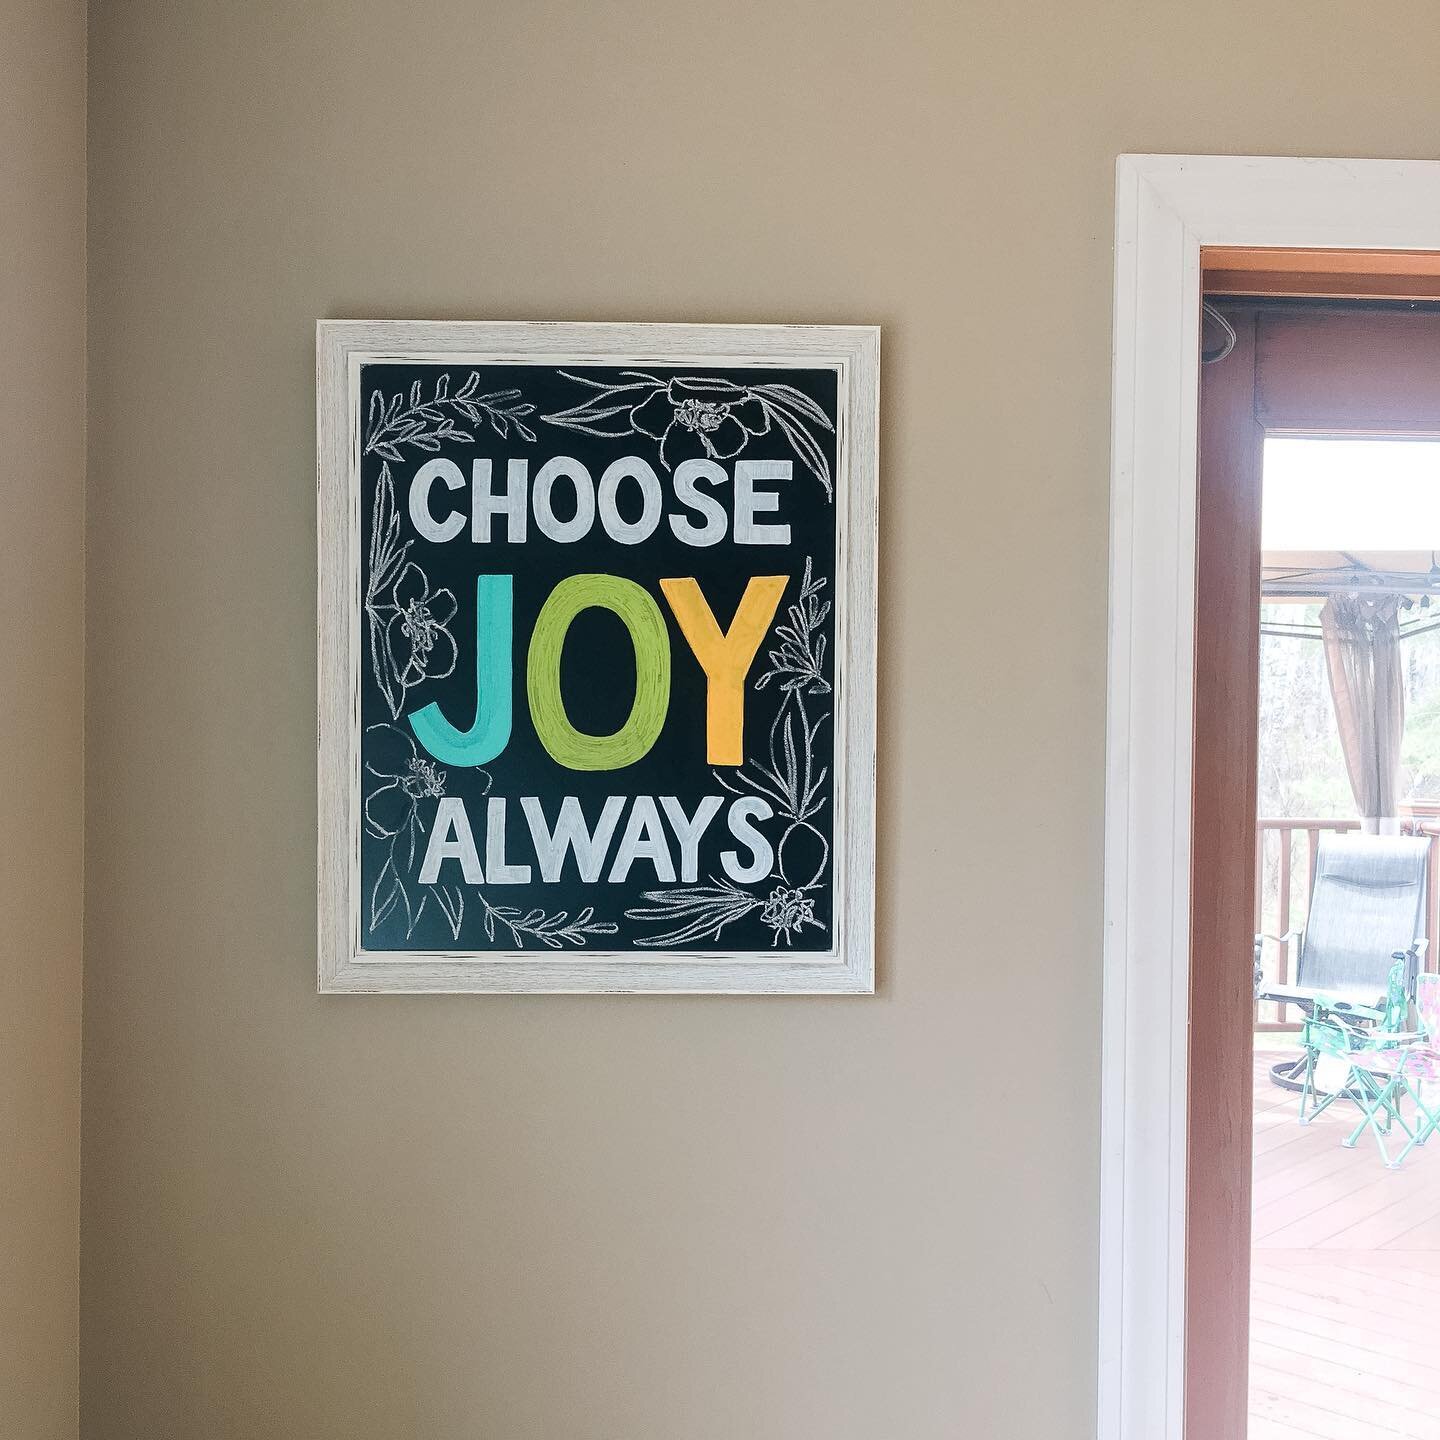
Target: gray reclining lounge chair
pixel 1367 909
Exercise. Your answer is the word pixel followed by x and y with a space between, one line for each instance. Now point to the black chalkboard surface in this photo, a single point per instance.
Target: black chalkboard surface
pixel 597 679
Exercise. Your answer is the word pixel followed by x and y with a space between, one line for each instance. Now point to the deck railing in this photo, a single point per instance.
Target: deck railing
pixel 1285 854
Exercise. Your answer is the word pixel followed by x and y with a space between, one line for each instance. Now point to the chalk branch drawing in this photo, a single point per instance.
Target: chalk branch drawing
pixel 423 422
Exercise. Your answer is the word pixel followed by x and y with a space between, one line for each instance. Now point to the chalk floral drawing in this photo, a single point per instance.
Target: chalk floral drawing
pixel 417 642
pixel 701 912
pixel 408 783
pixel 394 803
pixel 788 910
pixel 700 417
pixel 426 422
pixel 700 420
pixel 407 622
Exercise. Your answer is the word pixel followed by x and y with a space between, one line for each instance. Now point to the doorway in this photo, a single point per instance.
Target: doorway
pixel 1152 1384
pixel 1308 1259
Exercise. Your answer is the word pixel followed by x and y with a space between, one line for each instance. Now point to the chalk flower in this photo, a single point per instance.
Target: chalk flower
pixel 406 778
pixel 700 420
pixel 786 911
pixel 416 639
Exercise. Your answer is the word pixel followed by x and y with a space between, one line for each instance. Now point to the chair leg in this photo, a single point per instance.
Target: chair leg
pixel 1377 1115
pixel 1307 1089
pixel 1426 1120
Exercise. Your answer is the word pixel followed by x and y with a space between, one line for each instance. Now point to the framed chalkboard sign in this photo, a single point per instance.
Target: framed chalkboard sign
pixel 596 657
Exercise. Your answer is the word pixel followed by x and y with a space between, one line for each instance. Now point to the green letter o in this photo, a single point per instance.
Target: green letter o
pixel 641 616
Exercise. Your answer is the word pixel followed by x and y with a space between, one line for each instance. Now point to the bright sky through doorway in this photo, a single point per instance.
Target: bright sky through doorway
pixel 1340 494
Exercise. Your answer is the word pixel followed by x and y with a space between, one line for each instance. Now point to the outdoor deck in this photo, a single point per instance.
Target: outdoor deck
pixel 1345 1298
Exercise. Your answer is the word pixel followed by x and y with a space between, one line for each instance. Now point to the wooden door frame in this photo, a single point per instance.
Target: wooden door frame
pixel 1222 895
pixel 1355 370
pixel 1167 208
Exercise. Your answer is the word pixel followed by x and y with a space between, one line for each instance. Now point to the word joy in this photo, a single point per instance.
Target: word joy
pixel 724 655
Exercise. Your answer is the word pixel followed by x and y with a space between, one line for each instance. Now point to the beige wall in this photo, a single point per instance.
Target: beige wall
pixel 42 537
pixel 629 1219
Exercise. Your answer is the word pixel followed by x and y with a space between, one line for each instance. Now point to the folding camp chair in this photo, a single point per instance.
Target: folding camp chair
pixel 1367 1064
pixel 1367 910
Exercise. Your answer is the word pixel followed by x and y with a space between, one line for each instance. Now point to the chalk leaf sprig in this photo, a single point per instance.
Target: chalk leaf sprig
pixel 799 660
pixel 694 912
pixel 553 931
pixel 789 410
pixel 427 422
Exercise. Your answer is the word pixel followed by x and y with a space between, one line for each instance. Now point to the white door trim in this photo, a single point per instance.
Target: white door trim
pixel 1167 207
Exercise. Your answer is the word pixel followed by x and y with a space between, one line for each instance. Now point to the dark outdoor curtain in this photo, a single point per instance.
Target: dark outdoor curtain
pixel 1367 684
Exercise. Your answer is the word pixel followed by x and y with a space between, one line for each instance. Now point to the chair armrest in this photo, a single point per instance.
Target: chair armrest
pixel 1320 1002
pixel 1292 995
pixel 1259 960
pixel 1384 1039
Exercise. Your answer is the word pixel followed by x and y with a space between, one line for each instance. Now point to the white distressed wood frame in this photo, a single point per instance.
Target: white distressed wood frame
pixel 1167 207
pixel 342 346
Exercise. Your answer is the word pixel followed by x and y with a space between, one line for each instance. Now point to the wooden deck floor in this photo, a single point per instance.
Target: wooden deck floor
pixel 1345 1281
